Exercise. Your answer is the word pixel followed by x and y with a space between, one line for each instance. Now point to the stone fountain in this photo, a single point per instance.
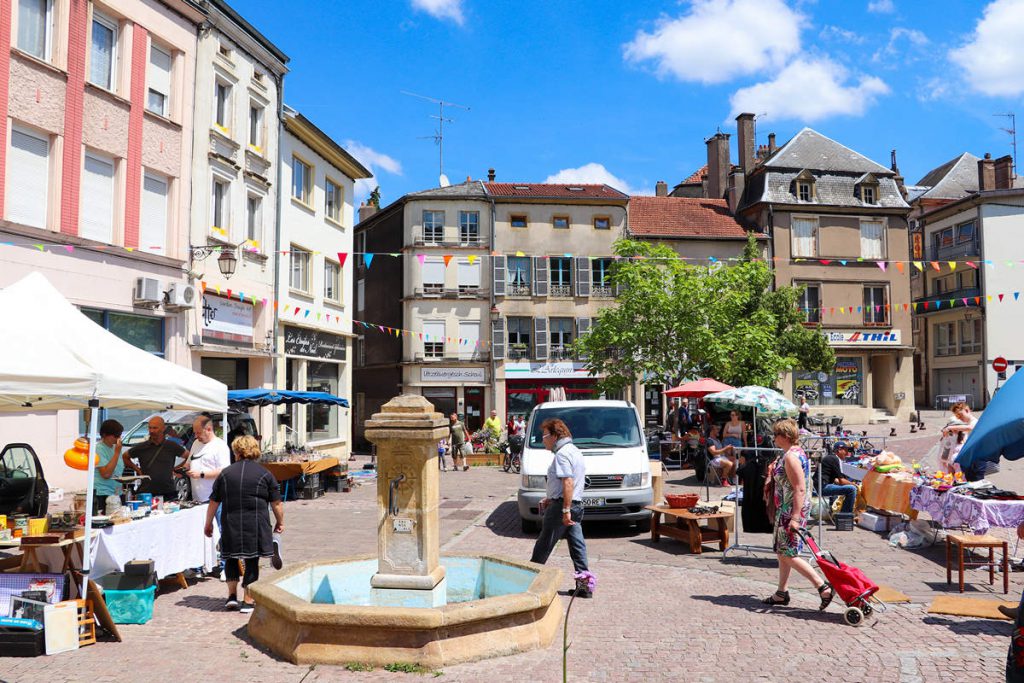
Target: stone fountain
pixel 409 604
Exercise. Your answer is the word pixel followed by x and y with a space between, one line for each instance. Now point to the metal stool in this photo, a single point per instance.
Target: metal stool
pixel 964 542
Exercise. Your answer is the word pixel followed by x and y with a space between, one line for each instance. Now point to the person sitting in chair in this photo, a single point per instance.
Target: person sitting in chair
pixel 723 458
pixel 833 483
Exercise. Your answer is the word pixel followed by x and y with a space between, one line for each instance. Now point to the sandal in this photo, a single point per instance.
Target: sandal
pixel 777 598
pixel 825 602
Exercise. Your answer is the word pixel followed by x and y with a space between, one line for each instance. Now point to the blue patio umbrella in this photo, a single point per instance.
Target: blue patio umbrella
pixel 1000 431
pixel 270 397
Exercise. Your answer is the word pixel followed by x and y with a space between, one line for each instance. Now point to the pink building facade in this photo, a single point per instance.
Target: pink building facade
pixel 96 109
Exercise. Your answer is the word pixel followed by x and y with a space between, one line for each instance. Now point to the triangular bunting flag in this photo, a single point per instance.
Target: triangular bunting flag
pixel 918 265
pixel 936 266
pixel 472 259
pixel 825 262
pixel 69 248
pixel 1016 296
pixel 977 301
pixel 952 265
pixel 843 262
pixel 881 264
pixel 447 259
pixel 965 301
pixel 1000 298
pixel 230 296
pixel 972 264
pixel 899 266
pixel 367 259
pixel 421 258
pixel 519 253
pixel 202 286
pixel 342 255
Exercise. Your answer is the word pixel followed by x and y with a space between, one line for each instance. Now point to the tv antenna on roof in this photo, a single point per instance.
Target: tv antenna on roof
pixel 1012 130
pixel 438 136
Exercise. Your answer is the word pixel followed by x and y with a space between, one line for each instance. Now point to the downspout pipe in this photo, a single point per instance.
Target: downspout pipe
pixel 275 357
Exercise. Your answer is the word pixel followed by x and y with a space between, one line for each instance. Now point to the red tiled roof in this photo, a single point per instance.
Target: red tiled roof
pixel 683 217
pixel 697 177
pixel 553 191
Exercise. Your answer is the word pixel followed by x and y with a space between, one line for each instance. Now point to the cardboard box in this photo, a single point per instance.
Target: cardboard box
pixel 877 521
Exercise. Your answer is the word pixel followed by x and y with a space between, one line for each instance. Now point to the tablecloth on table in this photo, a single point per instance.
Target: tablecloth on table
pixel 290 469
pixel 953 510
pixel 175 542
pixel 887 493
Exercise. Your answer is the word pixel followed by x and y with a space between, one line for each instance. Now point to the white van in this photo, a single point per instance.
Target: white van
pixel 610 436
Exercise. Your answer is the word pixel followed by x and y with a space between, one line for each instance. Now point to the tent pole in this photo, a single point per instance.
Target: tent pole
pixel 94 417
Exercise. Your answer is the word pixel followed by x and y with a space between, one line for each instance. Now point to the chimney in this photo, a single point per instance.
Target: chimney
pixel 366 210
pixel 661 189
pixel 737 181
pixel 745 141
pixel 986 173
pixel 490 175
pixel 900 185
pixel 718 165
pixel 771 144
pixel 1004 173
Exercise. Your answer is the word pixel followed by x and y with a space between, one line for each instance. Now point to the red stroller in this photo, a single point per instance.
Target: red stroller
pixel 849 583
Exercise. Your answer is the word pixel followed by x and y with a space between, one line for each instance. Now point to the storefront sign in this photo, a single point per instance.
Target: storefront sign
pixel 862 338
pixel 300 341
pixel 441 374
pixel 227 320
pixel 527 370
pixel 842 386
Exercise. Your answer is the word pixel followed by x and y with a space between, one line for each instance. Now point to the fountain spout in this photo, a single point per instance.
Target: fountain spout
pixel 392 487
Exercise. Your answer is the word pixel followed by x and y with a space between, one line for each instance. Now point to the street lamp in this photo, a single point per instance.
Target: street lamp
pixel 495 313
pixel 226 262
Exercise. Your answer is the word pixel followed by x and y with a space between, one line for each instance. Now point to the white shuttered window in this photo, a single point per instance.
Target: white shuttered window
pixel 433 272
pixel 872 240
pixel 469 273
pixel 805 242
pixel 153 228
pixel 159 97
pixel 28 176
pixel 97 220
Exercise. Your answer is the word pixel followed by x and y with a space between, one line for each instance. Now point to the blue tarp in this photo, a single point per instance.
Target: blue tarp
pixel 1000 431
pixel 270 397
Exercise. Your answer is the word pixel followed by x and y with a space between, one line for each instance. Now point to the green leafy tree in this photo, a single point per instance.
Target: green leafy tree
pixel 674 320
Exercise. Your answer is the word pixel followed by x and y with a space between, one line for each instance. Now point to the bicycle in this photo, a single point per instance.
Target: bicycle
pixel 512 453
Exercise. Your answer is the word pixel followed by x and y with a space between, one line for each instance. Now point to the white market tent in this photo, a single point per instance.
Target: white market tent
pixel 53 357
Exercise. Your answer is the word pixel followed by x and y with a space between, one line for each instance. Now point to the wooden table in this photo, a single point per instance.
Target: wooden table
pixel 289 469
pixel 686 527
pixel 70 549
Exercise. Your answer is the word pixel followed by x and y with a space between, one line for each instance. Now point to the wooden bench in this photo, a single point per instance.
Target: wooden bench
pixel 964 542
pixel 685 526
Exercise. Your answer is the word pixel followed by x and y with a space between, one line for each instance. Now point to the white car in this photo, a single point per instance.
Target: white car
pixel 609 434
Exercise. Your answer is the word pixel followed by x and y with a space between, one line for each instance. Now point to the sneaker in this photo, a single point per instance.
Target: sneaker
pixel 232 603
pixel 465 468
pixel 276 561
pixel 247 607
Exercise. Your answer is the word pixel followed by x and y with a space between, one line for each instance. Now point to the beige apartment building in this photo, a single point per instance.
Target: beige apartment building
pixel 838 225
pixel 549 276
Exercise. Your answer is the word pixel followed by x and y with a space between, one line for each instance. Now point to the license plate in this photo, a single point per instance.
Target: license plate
pixel 593 502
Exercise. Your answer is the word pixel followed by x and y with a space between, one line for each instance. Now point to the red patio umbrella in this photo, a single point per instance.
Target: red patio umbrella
pixel 697 389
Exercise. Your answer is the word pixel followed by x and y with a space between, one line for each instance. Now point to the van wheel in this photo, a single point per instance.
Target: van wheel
pixel 644 526
pixel 529 526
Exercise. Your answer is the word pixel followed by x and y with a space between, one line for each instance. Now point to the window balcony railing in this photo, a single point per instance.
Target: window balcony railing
pixel 602 292
pixel 560 352
pixel 954 251
pixel 519 290
pixel 437 238
pixel 518 351
pixel 560 290
pixel 474 355
pixel 440 292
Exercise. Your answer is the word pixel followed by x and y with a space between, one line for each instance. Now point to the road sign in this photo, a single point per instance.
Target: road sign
pixel 999 364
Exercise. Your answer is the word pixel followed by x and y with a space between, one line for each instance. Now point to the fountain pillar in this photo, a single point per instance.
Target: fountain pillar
pixel 406 432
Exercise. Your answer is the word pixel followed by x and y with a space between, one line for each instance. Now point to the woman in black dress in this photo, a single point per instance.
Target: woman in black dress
pixel 245 489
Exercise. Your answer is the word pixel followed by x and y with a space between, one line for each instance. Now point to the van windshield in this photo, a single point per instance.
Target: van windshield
pixel 601 426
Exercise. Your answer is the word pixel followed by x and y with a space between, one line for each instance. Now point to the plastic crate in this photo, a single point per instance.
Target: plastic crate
pixel 130 606
pixel 844 521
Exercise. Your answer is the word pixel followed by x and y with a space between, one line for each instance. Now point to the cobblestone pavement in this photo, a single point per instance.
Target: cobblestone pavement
pixel 659 613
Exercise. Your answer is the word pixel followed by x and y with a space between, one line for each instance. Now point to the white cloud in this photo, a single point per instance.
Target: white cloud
pixel 719 40
pixel 838 33
pixel 915 40
pixel 372 160
pixel 810 90
pixel 594 173
pixel 881 6
pixel 441 9
pixel 993 55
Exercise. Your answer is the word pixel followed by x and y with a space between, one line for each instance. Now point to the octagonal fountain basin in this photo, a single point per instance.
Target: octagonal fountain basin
pixel 327 613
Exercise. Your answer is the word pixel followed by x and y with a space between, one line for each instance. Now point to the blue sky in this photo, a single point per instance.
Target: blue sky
pixel 626 92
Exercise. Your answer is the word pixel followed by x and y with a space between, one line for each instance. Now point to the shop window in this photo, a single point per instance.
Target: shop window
pixel 519 334
pixel 322 420
pixel 844 386
pixel 442 398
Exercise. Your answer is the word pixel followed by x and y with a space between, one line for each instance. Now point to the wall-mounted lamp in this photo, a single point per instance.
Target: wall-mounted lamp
pixel 226 262
pixel 495 313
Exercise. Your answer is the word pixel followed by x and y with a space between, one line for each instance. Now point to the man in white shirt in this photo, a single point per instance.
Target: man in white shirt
pixel 209 455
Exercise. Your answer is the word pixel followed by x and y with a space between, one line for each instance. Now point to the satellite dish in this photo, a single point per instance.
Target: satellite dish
pixel 444 180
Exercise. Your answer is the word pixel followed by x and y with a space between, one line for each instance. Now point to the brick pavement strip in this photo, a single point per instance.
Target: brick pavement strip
pixel 658 614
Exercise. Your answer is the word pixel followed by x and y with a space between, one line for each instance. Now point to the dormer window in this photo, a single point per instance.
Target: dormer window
pixel 866 188
pixel 803 186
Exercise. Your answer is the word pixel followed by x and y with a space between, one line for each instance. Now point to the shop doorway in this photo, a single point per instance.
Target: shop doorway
pixel 653 404
pixel 234 372
pixel 474 408
pixel 443 399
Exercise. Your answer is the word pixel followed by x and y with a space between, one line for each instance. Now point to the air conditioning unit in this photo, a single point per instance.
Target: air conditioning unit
pixel 180 296
pixel 147 292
